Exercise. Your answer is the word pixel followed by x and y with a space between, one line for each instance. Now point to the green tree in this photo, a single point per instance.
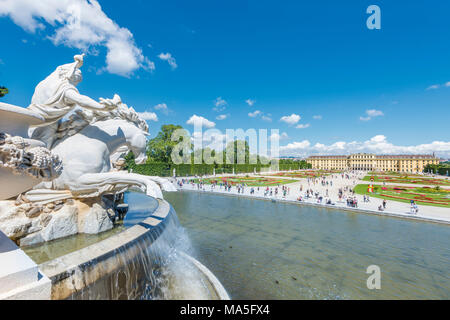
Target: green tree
pixel 231 154
pixel 159 149
pixel 129 161
pixel 3 91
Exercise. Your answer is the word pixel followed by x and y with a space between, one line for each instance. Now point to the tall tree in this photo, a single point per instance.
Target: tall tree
pixel 3 91
pixel 237 151
pixel 160 148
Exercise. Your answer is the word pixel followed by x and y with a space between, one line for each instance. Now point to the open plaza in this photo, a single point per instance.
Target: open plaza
pixel 346 189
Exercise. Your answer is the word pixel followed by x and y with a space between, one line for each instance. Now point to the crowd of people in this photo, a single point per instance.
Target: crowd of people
pixel 316 190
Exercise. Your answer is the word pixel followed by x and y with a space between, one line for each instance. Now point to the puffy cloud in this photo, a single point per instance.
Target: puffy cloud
pixel 148 116
pixel 377 144
pixel 437 86
pixel 250 102
pixel 170 60
pixel 292 119
pixel 199 121
pixel 222 117
pixel 276 136
pixel 220 104
pixel 211 138
pixel 434 87
pixel 374 113
pixel 302 126
pixel 258 113
pixel 254 114
pixel 162 107
pixel 80 24
pixel 371 113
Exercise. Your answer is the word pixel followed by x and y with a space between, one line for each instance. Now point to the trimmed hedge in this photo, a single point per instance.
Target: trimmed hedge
pixel 166 170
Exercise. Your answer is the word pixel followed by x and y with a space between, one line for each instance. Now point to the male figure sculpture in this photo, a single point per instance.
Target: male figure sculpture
pixel 57 95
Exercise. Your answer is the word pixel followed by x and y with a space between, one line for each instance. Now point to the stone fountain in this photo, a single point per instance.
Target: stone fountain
pixel 59 158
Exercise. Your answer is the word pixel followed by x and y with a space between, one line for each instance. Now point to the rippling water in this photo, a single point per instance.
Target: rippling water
pixel 264 250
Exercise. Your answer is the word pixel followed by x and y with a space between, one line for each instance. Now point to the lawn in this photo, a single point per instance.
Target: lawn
pixel 305 173
pixel 412 179
pixel 248 181
pixel 421 195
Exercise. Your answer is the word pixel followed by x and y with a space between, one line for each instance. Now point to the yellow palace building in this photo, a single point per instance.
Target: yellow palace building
pixel 373 162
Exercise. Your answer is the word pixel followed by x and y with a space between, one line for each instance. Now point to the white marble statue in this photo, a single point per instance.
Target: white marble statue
pixel 89 137
pixel 57 95
pixel 86 157
pixel 61 154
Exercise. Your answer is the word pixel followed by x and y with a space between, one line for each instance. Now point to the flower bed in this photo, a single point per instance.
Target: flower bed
pixel 426 196
pixel 249 181
pixel 408 179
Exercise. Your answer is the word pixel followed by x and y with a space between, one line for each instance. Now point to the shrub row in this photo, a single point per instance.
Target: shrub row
pixel 166 170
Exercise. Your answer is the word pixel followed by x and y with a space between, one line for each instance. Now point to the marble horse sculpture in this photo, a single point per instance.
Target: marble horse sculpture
pixel 86 157
pixel 86 136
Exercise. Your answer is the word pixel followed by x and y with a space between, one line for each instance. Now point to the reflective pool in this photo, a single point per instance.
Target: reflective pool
pixel 264 250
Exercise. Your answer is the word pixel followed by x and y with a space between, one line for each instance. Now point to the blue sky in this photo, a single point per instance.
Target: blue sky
pixel 374 90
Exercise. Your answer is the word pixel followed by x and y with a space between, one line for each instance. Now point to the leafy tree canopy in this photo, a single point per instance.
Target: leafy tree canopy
pixel 3 91
pixel 160 148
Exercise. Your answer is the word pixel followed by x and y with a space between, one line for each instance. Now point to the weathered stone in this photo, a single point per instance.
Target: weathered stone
pixel 50 206
pixel 45 219
pixel 47 210
pixel 62 224
pixel 23 208
pixel 34 229
pixel 31 239
pixel 34 212
pixel 96 220
pixel 58 207
pixel 15 228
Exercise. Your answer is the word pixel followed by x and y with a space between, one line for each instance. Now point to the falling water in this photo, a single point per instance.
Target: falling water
pixel 150 268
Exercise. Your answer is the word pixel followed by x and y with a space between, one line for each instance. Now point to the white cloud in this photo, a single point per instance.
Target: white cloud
pixel 211 138
pixel 433 87
pixel 371 113
pixel 254 114
pixel 377 144
pixel 302 126
pixel 250 102
pixel 275 136
pixel 267 118
pixel 199 121
pixel 292 119
pixel 220 104
pixel 148 116
pixel 222 117
pixel 438 86
pixel 162 107
pixel 79 24
pixel 318 117
pixel 170 60
pixel 374 113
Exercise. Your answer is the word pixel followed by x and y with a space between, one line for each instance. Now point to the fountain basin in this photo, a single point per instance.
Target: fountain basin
pixel 113 268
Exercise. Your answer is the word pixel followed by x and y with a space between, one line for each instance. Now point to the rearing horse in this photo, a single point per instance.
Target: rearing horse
pixel 86 158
